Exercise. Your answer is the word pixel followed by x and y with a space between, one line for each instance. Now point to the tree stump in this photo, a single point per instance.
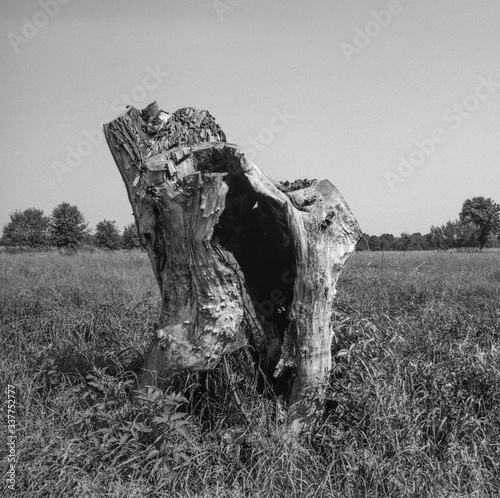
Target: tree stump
pixel 239 258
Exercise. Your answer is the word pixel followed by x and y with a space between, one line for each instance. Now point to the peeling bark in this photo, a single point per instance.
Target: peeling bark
pixel 238 257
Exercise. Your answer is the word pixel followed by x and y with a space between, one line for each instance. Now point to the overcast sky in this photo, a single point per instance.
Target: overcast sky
pixel 397 103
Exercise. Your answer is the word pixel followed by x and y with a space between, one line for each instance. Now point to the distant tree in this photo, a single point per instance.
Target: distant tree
pixel 386 242
pixel 374 243
pixel 429 246
pixel 444 236
pixel 404 241
pixel 435 237
pixel 493 240
pixel 453 234
pixel 484 214
pixel 413 242
pixel 466 234
pixel 27 228
pixel 130 237
pixel 398 244
pixel 418 242
pixel 67 226
pixel 107 235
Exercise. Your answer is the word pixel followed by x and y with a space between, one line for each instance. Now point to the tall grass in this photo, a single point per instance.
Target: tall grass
pixel 413 403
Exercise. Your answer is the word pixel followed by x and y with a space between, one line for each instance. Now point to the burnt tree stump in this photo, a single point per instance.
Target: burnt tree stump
pixel 239 258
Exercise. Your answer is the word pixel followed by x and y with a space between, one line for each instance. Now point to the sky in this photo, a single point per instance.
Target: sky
pixel 396 102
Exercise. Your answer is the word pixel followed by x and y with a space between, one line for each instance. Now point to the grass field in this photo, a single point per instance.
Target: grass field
pixel 413 407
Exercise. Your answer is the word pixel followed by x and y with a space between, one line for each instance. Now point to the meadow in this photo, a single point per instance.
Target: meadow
pixel 413 405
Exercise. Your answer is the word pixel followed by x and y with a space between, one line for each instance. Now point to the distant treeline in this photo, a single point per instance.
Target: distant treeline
pixel 478 225
pixel 65 228
pixel 451 235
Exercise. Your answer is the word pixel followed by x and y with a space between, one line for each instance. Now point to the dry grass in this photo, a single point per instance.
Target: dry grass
pixel 413 408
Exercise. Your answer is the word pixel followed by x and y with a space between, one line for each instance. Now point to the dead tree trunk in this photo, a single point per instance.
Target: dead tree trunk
pixel 238 257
